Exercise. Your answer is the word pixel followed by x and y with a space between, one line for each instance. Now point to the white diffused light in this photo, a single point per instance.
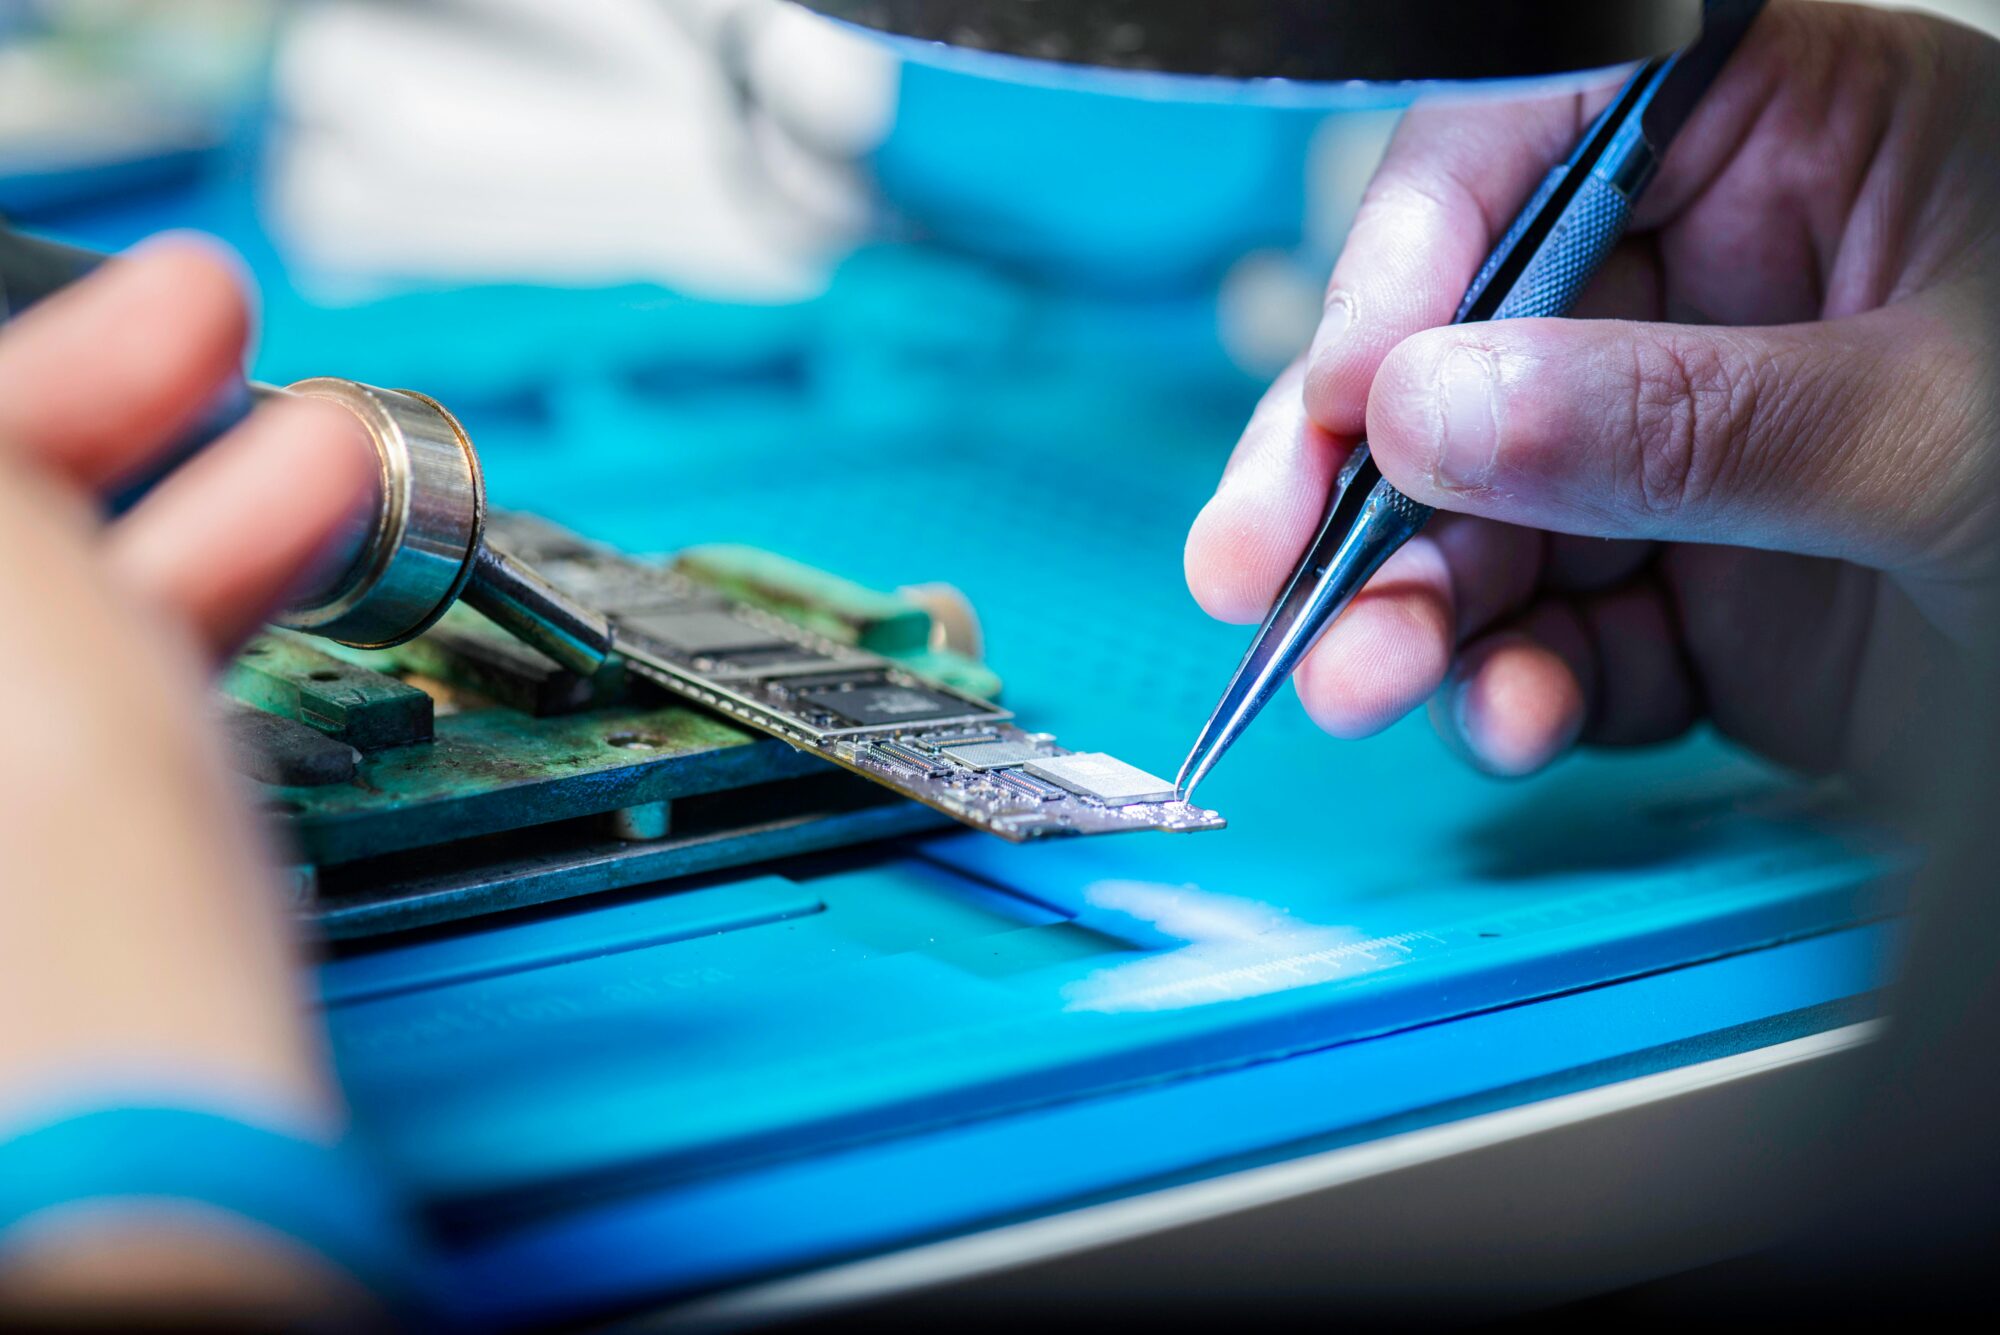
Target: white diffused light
pixel 1236 948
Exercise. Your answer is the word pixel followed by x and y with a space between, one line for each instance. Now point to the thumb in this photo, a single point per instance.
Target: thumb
pixel 1832 439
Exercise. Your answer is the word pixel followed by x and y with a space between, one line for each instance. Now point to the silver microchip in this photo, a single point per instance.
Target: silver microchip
pixel 1101 778
pixel 990 755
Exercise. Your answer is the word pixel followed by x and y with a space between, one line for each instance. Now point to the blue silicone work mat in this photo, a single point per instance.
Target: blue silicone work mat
pixel 661 1094
pixel 662 1047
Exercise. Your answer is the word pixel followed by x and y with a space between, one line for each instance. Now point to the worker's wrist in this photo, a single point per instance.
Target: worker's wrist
pixel 325 1195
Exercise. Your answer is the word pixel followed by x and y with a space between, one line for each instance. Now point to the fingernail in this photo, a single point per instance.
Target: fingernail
pixel 1458 709
pixel 1469 418
pixel 1447 711
pixel 1333 323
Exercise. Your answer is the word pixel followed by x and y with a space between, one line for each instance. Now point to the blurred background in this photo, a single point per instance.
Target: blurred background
pixel 715 270
pixel 695 270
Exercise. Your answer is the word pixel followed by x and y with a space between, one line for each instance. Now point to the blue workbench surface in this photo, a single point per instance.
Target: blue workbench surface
pixel 899 1046
pixel 818 1059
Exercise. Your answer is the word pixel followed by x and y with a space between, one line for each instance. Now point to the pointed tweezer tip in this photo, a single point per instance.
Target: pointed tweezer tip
pixel 1189 776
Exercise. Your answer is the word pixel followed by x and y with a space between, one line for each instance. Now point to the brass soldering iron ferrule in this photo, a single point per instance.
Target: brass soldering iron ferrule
pixel 421 544
pixel 413 553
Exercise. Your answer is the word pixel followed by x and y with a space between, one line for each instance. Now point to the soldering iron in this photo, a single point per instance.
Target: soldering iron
pixel 420 545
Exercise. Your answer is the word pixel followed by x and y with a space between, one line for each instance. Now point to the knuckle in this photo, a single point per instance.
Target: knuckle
pixel 1436 189
pixel 1692 404
pixel 1953 412
pixel 1407 192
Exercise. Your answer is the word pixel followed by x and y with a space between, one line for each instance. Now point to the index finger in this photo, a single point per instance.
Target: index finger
pixel 103 375
pixel 1450 183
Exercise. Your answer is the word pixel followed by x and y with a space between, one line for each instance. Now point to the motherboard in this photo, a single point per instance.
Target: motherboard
pixel 922 738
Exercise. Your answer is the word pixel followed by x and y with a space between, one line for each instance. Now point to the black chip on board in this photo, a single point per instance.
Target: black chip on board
pixel 703 631
pixel 876 704
pixel 788 657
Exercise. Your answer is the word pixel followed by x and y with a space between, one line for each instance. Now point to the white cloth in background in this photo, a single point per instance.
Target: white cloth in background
pixel 598 141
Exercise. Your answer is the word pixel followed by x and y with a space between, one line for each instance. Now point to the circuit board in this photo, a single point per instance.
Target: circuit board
pixel 950 750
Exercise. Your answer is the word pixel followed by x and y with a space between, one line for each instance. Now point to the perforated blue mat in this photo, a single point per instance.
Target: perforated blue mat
pixel 618 1104
pixel 605 1106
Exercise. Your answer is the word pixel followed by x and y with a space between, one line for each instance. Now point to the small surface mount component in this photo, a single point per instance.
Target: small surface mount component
pixel 950 750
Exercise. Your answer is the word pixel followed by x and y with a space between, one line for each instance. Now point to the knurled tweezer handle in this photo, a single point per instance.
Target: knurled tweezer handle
pixel 1549 285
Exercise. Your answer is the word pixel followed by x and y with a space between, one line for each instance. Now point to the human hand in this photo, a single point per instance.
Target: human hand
pixel 143 948
pixel 1796 477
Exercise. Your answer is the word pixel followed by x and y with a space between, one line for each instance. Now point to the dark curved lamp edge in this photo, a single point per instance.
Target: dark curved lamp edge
pixel 1301 40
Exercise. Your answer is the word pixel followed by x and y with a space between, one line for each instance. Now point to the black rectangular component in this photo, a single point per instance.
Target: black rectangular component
pixel 880 703
pixel 915 759
pixel 704 632
pixel 788 657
